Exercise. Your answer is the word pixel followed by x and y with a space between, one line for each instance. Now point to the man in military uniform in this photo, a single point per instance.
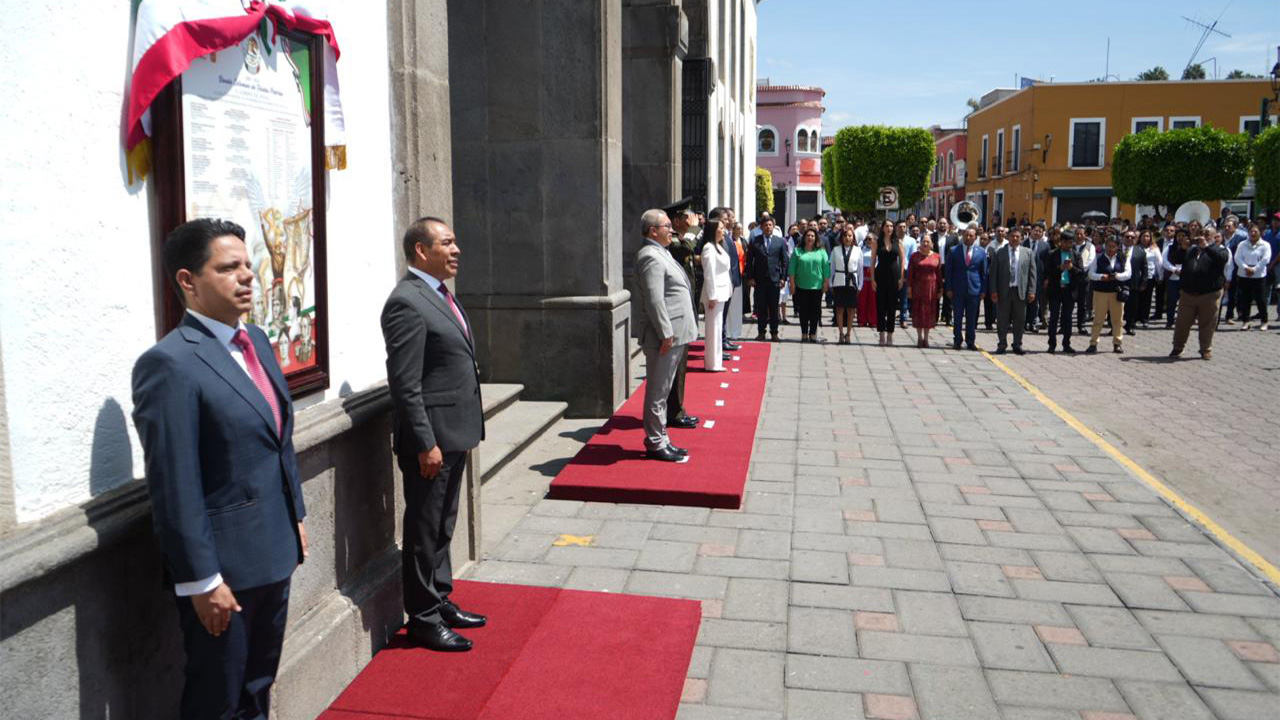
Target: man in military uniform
pixel 684 248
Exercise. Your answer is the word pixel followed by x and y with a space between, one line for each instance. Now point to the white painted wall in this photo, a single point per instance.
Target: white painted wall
pixel 76 304
pixel 732 107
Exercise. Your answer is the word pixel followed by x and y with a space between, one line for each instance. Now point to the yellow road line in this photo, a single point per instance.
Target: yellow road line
pixel 1231 541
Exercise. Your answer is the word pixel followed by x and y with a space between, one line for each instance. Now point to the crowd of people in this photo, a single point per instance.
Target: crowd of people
pixel 1016 277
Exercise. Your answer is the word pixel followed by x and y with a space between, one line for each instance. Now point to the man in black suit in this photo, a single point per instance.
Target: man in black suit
pixel 438 417
pixel 1137 282
pixel 766 273
pixel 1064 273
pixel 216 422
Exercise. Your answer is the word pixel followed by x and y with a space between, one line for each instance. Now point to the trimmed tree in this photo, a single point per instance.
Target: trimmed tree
pixel 829 175
pixel 1170 168
pixel 869 157
pixel 1266 168
pixel 1193 72
pixel 764 191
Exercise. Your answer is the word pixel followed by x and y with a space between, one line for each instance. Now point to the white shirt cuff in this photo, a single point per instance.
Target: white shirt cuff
pixel 198 587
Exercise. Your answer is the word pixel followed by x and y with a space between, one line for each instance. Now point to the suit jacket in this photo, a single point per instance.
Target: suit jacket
pixel 1138 266
pixel 431 371
pixel 226 496
pixel 1027 272
pixel 716 284
pixel 735 273
pixel 1051 272
pixel 767 259
pixel 966 280
pixel 663 306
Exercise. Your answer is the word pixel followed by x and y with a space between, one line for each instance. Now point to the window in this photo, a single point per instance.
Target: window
pixel 1086 143
pixel 951 164
pixel 982 159
pixel 802 140
pixel 1015 161
pixel 814 144
pixel 1182 123
pixel 999 160
pixel 937 170
pixel 1249 124
pixel 767 141
pixel 1147 123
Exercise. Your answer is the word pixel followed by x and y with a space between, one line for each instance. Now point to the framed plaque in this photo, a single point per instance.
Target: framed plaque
pixel 240 136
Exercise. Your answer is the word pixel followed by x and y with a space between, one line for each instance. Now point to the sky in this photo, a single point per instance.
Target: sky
pixel 915 62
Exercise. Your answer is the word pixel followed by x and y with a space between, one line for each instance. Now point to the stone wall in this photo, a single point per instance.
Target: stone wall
pixel 536 98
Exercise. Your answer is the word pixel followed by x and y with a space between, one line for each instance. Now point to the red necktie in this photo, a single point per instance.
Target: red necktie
pixel 454 307
pixel 968 255
pixel 259 376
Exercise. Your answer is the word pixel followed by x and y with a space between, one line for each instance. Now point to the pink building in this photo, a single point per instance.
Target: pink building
pixel 946 185
pixel 789 145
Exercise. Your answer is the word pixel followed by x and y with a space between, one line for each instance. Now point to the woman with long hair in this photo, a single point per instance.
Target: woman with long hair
pixel 866 291
pixel 886 279
pixel 810 271
pixel 846 278
pixel 717 288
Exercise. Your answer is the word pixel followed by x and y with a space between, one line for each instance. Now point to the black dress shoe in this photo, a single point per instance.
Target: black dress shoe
pixel 955 345
pixel 1068 350
pixel 439 638
pixel 1019 351
pixel 1053 349
pixel 686 422
pixel 666 454
pixel 1091 350
pixel 678 450
pixel 456 617
pixel 1000 351
pixel 971 346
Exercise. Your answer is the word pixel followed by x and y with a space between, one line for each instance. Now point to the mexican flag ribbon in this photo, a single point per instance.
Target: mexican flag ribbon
pixel 169 34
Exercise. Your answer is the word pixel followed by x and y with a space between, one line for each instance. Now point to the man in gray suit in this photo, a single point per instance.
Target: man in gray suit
pixel 1013 286
pixel 662 319
pixel 438 417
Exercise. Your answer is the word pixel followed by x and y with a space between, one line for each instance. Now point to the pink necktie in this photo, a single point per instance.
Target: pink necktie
pixel 448 296
pixel 259 376
pixel 968 255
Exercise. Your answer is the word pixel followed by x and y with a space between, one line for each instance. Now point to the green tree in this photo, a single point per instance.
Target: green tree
pixel 829 175
pixel 764 191
pixel 1170 168
pixel 1238 74
pixel 1156 73
pixel 973 104
pixel 1193 72
pixel 869 157
pixel 1266 168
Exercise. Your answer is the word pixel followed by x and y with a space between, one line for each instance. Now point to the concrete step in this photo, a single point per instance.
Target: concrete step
pixel 498 396
pixel 514 428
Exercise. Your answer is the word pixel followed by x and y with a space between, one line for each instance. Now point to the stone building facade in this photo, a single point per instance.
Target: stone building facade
pixel 530 125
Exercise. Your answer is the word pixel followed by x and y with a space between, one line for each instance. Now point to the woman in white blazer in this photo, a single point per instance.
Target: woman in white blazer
pixel 717 288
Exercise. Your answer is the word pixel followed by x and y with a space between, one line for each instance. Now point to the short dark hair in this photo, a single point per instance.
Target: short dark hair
pixel 417 232
pixel 187 246
pixel 716 212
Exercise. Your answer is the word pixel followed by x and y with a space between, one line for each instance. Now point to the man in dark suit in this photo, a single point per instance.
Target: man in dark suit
pixel 965 281
pixel 1013 288
pixel 216 422
pixel 1137 281
pixel 766 273
pixel 438 417
pixel 1064 273
pixel 944 241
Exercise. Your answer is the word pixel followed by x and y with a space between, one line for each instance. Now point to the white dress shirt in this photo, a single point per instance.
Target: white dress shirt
pixel 1013 266
pixel 224 334
pixel 1253 255
pixel 436 284
pixel 838 268
pixel 1173 271
pixel 1121 276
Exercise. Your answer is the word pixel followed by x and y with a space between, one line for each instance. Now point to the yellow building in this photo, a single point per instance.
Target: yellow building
pixel 1046 150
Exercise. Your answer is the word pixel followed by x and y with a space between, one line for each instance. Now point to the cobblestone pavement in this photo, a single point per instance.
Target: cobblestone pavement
pixel 1210 430
pixel 923 544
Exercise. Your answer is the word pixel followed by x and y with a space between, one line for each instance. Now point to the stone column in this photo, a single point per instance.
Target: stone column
pixel 655 38
pixel 536 93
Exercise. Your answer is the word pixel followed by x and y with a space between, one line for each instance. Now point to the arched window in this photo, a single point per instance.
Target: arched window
pixel 814 146
pixel 802 140
pixel 951 164
pixel 768 141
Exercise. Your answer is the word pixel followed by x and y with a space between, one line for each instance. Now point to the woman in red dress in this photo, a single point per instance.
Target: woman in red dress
pixel 924 285
pixel 866 293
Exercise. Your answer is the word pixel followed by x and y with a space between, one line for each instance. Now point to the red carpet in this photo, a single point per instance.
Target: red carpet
pixel 612 468
pixel 547 654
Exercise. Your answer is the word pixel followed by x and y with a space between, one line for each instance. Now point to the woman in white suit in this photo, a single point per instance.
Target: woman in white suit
pixel 717 288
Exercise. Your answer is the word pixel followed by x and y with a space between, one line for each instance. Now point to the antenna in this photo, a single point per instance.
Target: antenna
pixel 1209 29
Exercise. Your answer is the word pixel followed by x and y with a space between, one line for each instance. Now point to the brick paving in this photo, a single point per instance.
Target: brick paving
pixel 922 538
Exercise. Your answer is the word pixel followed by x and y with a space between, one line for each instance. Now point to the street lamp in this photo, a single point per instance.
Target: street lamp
pixel 1264 120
